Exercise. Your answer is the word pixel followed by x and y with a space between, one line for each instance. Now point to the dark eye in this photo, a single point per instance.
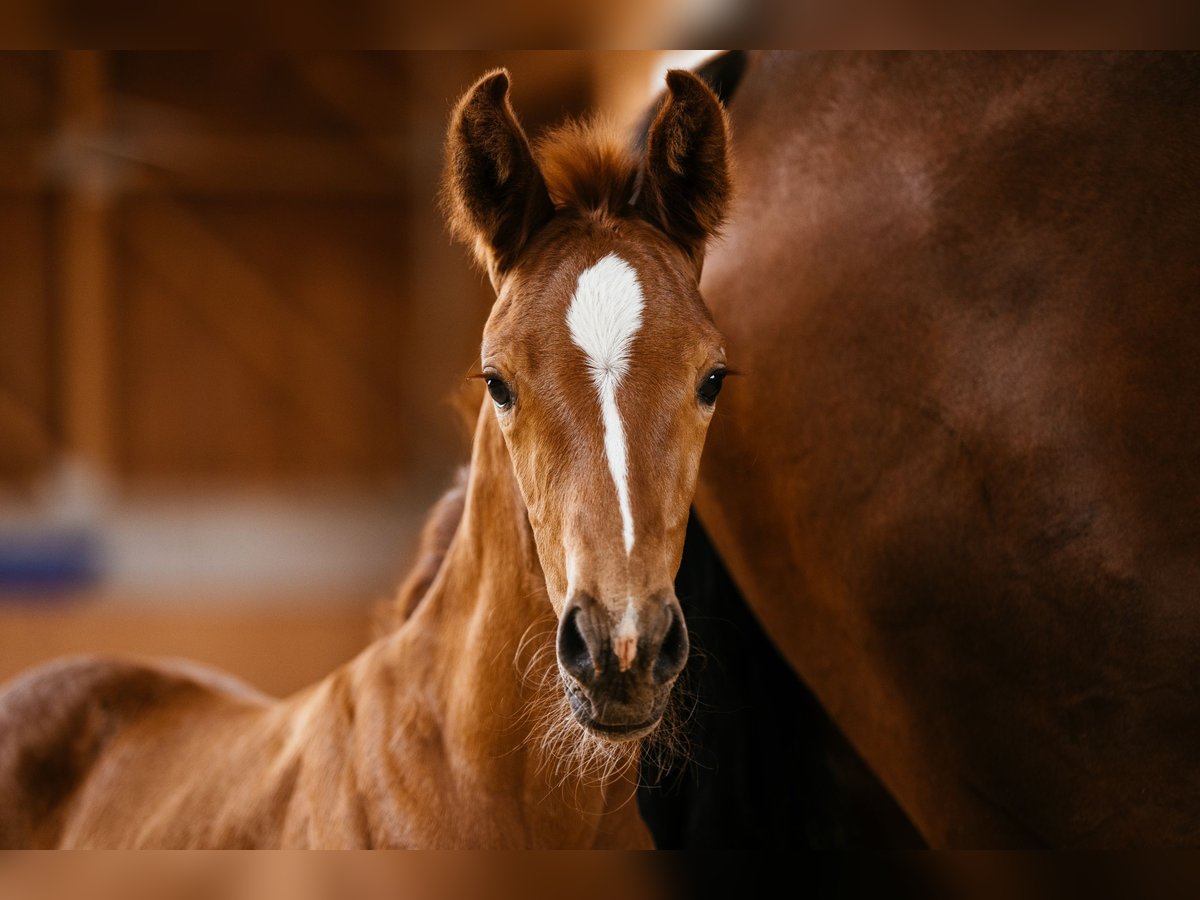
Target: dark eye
pixel 501 393
pixel 710 387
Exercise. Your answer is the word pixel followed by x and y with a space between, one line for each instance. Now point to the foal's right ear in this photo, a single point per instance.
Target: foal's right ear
pixel 687 180
pixel 493 192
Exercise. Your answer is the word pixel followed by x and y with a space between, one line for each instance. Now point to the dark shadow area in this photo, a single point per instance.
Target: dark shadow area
pixel 768 769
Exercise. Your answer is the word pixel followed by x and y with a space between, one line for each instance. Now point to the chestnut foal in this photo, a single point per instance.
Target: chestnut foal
pixel 602 367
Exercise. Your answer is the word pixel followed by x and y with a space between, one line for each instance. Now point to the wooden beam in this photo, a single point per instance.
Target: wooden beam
pixel 84 264
pixel 25 444
pixel 204 164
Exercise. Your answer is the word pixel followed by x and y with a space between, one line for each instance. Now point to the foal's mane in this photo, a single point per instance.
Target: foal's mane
pixel 441 524
pixel 589 167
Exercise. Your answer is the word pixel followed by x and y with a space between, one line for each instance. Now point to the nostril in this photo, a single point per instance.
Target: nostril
pixel 573 653
pixel 672 655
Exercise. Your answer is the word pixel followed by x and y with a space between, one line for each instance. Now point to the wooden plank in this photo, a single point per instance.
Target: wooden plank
pixel 208 163
pixel 25 445
pixel 261 340
pixel 26 413
pixel 27 92
pixel 84 266
pixel 202 163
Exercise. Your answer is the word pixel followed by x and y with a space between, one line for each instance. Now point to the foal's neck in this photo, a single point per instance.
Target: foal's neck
pixel 488 629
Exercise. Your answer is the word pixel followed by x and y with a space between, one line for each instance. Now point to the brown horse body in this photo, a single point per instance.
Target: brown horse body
pixel 427 739
pixel 960 484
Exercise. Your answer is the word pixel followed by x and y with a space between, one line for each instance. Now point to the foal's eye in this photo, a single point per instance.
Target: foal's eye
pixel 501 393
pixel 710 387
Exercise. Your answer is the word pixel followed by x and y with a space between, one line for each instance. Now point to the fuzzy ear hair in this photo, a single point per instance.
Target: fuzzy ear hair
pixel 493 192
pixel 687 183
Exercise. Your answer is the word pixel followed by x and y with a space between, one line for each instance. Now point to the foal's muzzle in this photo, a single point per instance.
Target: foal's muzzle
pixel 615 689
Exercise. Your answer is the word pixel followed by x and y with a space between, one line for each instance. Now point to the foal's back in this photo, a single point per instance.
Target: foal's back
pixel 107 752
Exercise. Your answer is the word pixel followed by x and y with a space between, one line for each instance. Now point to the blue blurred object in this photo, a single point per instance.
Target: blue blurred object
pixel 48 557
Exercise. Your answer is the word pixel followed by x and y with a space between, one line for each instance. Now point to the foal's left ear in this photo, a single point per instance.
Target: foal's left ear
pixel 687 183
pixel 493 191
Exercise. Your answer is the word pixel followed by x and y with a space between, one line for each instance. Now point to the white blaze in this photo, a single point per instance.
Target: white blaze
pixel 604 316
pixel 625 637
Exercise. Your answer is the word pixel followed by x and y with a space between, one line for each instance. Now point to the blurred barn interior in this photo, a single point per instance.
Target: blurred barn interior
pixel 231 326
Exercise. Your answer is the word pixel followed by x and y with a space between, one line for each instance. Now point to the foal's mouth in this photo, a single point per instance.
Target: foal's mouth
pixel 582 707
pixel 619 732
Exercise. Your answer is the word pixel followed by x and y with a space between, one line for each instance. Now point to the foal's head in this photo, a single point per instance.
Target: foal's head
pixel 603 367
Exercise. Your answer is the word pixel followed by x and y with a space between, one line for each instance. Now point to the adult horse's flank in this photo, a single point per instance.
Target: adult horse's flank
pixel 602 367
pixel 961 486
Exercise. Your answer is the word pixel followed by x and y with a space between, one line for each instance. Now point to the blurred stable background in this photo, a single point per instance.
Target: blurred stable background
pixel 231 325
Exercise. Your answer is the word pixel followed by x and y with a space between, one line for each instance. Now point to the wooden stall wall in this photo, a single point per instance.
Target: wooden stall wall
pixel 28 422
pixel 230 267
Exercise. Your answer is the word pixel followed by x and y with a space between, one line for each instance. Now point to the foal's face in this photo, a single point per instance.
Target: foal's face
pixel 603 366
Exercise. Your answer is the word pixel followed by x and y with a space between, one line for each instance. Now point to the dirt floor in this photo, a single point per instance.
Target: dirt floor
pixel 277 646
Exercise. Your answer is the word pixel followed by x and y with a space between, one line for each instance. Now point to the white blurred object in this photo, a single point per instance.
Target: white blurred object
pixel 79 528
pixel 275 542
pixel 676 59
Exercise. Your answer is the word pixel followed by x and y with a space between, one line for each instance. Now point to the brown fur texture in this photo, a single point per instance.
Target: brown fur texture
pixel 688 181
pixel 589 168
pixel 448 732
pixel 959 484
pixel 56 724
